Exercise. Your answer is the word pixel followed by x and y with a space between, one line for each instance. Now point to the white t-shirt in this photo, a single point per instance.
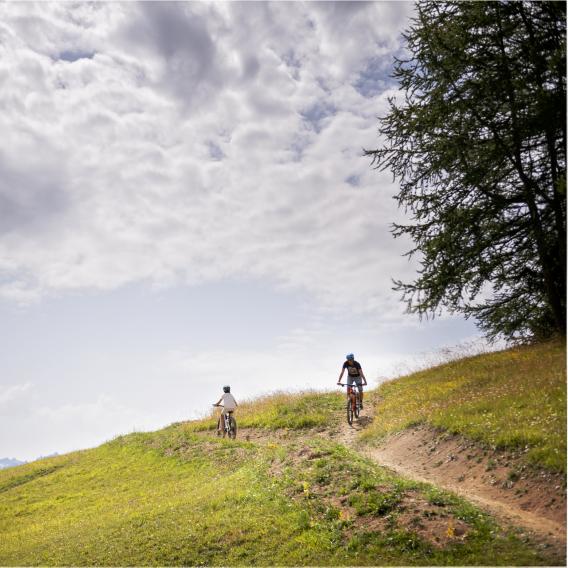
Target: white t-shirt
pixel 228 401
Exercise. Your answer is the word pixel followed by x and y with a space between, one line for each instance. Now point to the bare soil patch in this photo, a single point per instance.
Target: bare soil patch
pixel 431 522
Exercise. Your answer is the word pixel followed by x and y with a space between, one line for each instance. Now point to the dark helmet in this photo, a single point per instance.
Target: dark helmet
pixel 227 389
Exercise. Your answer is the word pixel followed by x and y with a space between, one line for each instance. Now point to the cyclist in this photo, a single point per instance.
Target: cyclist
pixel 354 374
pixel 229 404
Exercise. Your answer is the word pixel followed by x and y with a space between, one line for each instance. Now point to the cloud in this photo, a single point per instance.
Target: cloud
pixel 29 196
pixel 176 38
pixel 105 409
pixel 308 357
pixel 51 427
pixel 193 142
pixel 11 393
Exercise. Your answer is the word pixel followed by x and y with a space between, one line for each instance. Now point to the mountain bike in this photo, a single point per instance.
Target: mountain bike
pixel 353 402
pixel 229 425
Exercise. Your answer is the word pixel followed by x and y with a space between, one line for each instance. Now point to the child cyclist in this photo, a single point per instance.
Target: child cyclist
pixel 354 374
pixel 229 404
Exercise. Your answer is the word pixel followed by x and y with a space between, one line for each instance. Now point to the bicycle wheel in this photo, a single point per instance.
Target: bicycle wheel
pixel 349 411
pixel 357 405
pixel 233 428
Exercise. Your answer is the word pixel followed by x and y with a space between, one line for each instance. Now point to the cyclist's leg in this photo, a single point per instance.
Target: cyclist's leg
pixel 359 382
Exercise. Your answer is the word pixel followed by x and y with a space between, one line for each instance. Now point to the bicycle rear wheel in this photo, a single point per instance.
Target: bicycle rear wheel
pixel 226 425
pixel 233 429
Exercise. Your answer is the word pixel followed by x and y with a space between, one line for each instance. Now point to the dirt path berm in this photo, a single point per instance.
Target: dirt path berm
pixel 500 482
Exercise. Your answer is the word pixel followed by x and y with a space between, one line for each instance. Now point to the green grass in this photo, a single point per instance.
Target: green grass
pixel 126 503
pixel 282 411
pixel 178 498
pixel 512 399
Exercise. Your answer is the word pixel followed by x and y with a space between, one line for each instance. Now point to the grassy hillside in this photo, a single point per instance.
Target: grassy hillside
pixel 174 497
pixel 510 399
pixel 180 496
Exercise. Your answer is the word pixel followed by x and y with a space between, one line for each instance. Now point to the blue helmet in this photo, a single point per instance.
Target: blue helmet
pixel 350 356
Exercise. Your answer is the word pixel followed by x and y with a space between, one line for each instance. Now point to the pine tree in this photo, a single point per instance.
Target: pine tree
pixel 478 143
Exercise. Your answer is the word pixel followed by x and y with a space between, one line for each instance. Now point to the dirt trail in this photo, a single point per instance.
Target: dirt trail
pixel 496 481
pixel 500 483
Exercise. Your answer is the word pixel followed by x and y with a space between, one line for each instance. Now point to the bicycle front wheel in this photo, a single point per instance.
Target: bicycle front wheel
pixel 349 412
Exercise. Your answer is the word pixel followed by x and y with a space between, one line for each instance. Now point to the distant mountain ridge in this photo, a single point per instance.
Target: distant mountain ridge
pixel 10 462
pixel 13 462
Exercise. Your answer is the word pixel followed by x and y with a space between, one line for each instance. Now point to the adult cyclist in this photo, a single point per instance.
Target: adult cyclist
pixel 355 374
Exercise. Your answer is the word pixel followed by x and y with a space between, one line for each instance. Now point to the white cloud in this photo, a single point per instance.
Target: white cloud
pixel 194 142
pixel 105 409
pixel 308 357
pixel 46 428
pixel 13 392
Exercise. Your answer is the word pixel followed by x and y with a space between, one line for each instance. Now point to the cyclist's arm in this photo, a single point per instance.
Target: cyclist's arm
pixel 363 376
pixel 341 375
pixel 219 402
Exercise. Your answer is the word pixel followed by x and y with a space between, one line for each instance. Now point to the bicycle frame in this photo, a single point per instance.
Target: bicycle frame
pixel 355 398
pixel 353 393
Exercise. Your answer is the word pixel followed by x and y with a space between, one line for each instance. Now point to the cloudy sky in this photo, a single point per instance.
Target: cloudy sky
pixel 184 203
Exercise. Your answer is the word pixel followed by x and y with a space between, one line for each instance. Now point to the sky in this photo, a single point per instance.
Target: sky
pixel 185 203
